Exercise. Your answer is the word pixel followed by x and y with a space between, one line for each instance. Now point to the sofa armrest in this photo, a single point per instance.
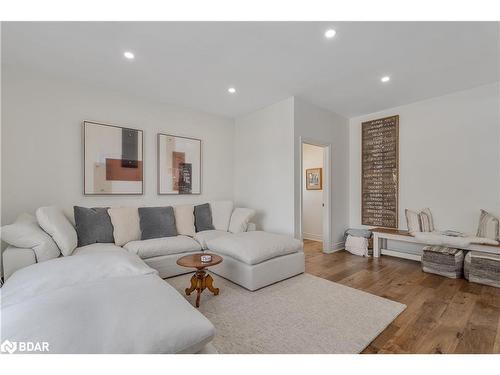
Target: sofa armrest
pixel 251 227
pixel 15 258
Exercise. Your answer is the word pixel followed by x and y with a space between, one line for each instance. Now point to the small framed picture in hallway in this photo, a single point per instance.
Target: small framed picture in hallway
pixel 314 179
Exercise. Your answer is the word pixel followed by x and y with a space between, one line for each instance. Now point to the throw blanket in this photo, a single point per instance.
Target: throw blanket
pixel 436 238
pixel 99 302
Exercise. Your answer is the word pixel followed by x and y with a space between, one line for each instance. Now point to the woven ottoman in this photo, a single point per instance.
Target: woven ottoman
pixel 482 268
pixel 444 261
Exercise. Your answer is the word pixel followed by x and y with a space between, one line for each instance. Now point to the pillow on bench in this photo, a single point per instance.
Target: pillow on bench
pixel 419 221
pixel 488 226
pixel 412 221
pixel 426 220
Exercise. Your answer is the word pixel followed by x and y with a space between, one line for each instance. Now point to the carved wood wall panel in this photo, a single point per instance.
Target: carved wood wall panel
pixel 380 172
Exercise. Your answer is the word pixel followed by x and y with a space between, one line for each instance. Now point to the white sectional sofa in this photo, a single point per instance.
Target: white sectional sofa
pixel 129 308
pixel 252 259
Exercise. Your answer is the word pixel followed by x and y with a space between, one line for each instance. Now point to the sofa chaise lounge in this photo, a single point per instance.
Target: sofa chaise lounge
pixel 101 300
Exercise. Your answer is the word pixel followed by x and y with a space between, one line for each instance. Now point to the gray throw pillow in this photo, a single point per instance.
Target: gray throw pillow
pixel 203 217
pixel 157 222
pixel 93 225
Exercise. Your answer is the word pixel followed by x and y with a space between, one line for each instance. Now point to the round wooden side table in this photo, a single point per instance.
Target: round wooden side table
pixel 201 280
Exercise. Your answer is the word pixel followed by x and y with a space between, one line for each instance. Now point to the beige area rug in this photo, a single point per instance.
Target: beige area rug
pixel 304 314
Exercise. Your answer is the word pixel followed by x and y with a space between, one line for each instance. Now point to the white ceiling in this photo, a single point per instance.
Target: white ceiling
pixel 193 63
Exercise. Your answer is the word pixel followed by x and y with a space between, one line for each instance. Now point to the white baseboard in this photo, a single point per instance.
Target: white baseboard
pixel 312 237
pixel 330 249
pixel 337 246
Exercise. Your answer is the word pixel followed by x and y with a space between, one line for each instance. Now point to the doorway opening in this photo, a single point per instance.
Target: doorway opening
pixel 315 196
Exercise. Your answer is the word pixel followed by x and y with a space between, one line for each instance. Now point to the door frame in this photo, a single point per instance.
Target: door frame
pixel 327 183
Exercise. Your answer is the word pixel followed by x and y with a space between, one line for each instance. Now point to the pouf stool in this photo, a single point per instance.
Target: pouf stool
pixel 444 261
pixel 482 268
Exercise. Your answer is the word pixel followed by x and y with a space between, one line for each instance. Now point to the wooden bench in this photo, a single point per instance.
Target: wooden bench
pixel 381 235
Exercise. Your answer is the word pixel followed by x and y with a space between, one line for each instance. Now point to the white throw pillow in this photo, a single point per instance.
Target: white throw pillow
pixel 221 214
pixel 240 219
pixel 126 224
pixel 184 220
pixel 53 221
pixel 488 226
pixel 426 220
pixel 26 233
pixel 412 221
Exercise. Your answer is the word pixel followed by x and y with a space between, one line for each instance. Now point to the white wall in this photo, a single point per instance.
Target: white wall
pixel 264 166
pixel 314 123
pixel 42 143
pixel 312 200
pixel 449 157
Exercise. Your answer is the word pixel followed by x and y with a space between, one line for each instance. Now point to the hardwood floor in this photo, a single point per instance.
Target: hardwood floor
pixel 442 315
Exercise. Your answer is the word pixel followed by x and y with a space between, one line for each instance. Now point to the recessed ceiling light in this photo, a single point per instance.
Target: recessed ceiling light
pixel 385 79
pixel 330 33
pixel 129 55
pixel 231 90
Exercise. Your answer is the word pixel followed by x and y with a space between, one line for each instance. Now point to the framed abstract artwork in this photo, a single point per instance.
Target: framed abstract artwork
pixel 179 165
pixel 113 160
pixel 314 180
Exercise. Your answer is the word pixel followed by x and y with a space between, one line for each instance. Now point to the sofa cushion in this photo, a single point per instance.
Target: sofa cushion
pixel 163 246
pixel 203 217
pixel 254 247
pixel 221 214
pixel 95 247
pixel 126 224
pixel 184 219
pixel 26 233
pixel 93 225
pixel 53 221
pixel 204 236
pixel 240 219
pixel 157 222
